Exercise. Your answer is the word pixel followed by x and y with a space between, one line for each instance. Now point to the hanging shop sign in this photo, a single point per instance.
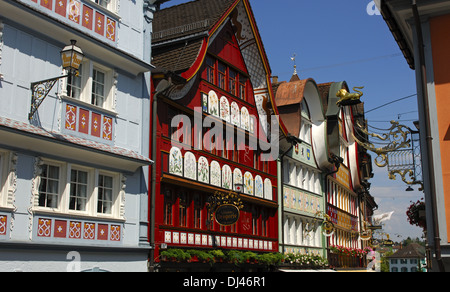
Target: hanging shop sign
pixel 227 215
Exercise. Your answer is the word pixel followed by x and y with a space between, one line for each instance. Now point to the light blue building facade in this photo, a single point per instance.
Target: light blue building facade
pixel 74 178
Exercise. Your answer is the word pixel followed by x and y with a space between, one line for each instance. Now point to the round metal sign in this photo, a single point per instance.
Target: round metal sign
pixel 227 214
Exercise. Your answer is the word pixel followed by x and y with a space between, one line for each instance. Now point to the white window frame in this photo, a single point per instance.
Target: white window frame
pixel 116 193
pixel 8 179
pixel 61 185
pixel 89 189
pixel 63 206
pixel 86 73
pixel 3 178
pixel 110 6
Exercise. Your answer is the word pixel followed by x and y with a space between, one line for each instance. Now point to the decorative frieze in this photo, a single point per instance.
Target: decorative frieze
pixel 82 15
pixel 74 229
pixel 206 240
pixel 85 121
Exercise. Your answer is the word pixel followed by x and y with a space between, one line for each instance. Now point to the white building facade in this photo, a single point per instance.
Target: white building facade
pixel 300 176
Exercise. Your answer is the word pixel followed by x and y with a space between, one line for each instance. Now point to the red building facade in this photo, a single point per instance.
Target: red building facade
pixel 212 127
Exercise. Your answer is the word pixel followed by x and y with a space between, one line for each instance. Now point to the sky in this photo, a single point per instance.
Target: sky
pixel 345 41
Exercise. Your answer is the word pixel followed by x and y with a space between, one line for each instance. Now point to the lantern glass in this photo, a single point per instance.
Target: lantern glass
pixel 71 57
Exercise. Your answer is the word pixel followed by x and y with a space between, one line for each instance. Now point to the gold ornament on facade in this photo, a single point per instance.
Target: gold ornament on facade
pixel 347 98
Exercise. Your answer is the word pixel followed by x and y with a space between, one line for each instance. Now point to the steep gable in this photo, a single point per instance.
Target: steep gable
pixel 183 34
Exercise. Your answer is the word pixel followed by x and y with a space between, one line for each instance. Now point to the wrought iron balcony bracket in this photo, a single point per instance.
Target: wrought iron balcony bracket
pixel 39 91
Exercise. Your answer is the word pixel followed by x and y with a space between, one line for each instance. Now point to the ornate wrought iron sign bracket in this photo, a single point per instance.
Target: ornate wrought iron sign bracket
pixel 39 91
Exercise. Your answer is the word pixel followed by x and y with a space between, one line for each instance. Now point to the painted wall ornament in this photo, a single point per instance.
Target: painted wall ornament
pixel 176 162
pixel 203 170
pixel 190 166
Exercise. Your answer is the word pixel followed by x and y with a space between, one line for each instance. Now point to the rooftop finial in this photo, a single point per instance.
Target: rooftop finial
pixel 293 58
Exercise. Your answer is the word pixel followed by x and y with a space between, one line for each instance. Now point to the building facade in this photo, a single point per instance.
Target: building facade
pixel 213 97
pixel 74 174
pixel 348 201
pixel 300 177
pixel 420 30
pixel 410 258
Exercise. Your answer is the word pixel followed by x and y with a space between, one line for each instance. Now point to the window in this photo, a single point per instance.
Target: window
pixel 74 84
pixel 255 226
pixel 98 88
pixel 243 87
pixel 105 194
pixel 182 207
pixel 65 188
pixel 93 84
pixel 198 206
pixel 226 77
pixel 168 208
pixel 232 80
pixel 222 76
pixel 103 3
pixel 211 70
pixel 8 171
pixel 78 190
pixel 305 128
pixel 265 224
pixel 49 186
pixel 255 229
pixel 108 4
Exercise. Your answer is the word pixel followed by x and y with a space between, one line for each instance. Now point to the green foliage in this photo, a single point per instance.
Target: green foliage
pixel 306 260
pixel 176 254
pixel 242 257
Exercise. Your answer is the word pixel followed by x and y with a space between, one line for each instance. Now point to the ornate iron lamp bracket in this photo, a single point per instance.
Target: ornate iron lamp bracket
pixel 39 91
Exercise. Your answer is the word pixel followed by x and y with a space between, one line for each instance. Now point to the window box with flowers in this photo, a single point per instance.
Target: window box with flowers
pixel 416 214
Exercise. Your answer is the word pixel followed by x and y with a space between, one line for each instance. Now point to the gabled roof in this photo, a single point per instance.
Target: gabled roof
pixel 187 19
pixel 179 32
pixel 412 250
pixel 182 34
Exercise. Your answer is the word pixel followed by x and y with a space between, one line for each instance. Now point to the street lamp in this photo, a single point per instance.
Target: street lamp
pixel 71 57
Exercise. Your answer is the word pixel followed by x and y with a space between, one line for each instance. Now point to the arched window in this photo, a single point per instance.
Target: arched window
pixel 305 127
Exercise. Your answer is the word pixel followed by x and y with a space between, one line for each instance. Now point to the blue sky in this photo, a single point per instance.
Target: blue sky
pixel 336 41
